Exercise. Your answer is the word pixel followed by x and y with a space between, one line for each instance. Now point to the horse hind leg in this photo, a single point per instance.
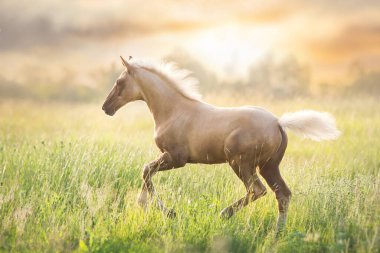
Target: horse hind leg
pixel 255 188
pixel 283 194
pixel 271 173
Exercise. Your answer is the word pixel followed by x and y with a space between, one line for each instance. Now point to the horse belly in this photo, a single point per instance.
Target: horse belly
pixel 208 149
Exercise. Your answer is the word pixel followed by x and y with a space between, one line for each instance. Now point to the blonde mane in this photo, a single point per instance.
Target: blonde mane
pixel 179 79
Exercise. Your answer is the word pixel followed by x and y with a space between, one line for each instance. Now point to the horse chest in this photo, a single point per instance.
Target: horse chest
pixel 168 140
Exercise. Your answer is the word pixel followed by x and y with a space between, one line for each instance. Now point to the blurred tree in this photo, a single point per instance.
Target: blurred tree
pixel 367 83
pixel 11 89
pixel 285 78
pixel 105 77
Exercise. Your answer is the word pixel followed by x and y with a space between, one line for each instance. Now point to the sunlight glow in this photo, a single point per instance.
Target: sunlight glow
pixel 229 49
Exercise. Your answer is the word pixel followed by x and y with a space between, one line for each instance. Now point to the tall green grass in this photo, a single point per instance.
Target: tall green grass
pixel 69 178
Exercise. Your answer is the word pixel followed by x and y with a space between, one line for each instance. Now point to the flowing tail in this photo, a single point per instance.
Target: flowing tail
pixel 317 126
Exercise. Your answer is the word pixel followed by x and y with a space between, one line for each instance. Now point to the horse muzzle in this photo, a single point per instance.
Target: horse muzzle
pixel 108 111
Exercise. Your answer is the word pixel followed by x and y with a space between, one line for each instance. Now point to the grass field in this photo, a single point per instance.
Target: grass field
pixel 69 179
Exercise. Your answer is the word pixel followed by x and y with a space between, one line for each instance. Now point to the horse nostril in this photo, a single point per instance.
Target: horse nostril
pixel 103 108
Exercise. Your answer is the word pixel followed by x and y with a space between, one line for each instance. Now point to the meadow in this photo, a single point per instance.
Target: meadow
pixel 70 175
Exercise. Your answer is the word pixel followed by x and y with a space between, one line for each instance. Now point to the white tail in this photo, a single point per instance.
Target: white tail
pixel 317 126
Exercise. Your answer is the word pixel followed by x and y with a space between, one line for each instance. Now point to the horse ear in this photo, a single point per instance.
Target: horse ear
pixel 125 63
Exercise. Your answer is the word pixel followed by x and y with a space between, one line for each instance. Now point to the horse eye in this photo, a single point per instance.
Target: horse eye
pixel 121 82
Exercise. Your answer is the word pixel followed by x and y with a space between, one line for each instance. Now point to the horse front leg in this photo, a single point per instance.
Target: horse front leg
pixel 164 162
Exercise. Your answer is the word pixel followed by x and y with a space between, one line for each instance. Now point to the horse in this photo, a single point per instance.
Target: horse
pixel 188 130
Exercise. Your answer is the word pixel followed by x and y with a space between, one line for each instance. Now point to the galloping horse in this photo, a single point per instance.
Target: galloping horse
pixel 188 130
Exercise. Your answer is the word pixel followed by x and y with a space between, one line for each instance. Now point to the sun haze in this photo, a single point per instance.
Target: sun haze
pixel 226 37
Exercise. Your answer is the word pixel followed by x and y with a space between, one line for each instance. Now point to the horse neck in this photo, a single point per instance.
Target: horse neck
pixel 162 100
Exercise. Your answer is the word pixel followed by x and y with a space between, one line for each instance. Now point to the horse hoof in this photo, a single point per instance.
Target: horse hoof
pixel 226 213
pixel 171 214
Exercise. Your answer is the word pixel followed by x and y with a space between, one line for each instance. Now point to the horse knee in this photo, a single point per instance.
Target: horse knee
pixel 253 195
pixel 260 194
pixel 260 189
pixel 146 173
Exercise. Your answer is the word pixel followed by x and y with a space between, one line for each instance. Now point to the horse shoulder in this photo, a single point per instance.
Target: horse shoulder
pixel 169 139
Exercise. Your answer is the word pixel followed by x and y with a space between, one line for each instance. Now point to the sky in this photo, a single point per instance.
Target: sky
pixel 227 37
